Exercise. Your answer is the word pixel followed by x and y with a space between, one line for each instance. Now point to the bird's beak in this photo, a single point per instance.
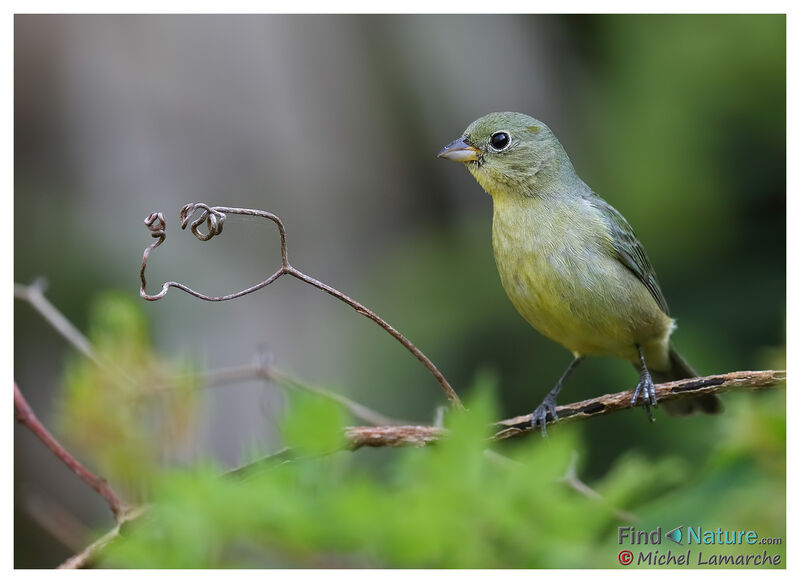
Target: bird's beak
pixel 459 150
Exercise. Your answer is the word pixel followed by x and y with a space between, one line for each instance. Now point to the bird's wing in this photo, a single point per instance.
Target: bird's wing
pixel 629 251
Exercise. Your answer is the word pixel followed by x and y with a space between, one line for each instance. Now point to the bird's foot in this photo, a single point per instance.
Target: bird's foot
pixel 540 415
pixel 648 391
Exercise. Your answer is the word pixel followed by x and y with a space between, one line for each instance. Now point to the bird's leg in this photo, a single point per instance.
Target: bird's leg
pixel 548 405
pixel 645 386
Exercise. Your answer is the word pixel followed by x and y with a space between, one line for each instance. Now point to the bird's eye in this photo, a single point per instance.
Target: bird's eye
pixel 499 141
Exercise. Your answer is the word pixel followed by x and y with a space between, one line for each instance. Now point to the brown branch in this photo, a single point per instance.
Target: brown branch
pixel 26 416
pixel 392 436
pixel 214 218
pixel 416 435
pixel 686 388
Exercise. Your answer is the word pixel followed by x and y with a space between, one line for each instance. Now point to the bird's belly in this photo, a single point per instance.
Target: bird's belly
pixel 582 299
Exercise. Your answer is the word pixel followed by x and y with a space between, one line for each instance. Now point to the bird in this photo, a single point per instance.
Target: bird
pixel 569 261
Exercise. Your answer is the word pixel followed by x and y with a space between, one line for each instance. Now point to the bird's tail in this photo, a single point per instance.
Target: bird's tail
pixel 680 369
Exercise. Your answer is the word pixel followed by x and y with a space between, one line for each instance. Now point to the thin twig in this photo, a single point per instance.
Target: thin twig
pixel 500 460
pixel 34 295
pixel 282 456
pixel 572 480
pixel 88 555
pixel 214 219
pixel 270 373
pixel 26 416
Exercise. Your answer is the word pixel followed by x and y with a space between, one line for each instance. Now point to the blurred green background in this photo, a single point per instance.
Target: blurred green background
pixel 333 122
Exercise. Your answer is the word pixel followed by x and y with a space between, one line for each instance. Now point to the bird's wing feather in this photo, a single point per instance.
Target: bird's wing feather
pixel 629 251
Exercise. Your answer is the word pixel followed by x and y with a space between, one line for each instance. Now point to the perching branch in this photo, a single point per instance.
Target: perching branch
pixel 683 389
pixel 26 416
pixel 214 218
pixel 416 435
pixel 392 436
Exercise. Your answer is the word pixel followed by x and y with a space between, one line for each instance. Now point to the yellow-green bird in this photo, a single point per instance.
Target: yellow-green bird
pixel 569 261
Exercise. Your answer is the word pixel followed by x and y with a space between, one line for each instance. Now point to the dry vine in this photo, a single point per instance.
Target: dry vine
pixel 214 219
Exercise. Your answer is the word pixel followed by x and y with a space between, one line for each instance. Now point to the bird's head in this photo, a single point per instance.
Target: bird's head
pixel 510 153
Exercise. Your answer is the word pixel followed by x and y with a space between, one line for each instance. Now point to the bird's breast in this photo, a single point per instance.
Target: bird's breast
pixel 538 257
pixel 554 264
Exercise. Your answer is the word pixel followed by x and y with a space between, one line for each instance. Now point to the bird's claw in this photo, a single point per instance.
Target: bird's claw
pixel 648 391
pixel 541 413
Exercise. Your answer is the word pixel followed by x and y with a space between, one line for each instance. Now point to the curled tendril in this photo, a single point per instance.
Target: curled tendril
pixel 214 218
pixel 156 223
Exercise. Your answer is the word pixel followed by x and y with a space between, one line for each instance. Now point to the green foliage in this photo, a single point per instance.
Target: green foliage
pixel 135 409
pixel 742 487
pixel 315 425
pixel 454 504
pixel 448 505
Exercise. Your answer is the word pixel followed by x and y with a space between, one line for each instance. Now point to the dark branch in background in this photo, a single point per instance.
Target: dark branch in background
pixel 214 218
pixel 26 416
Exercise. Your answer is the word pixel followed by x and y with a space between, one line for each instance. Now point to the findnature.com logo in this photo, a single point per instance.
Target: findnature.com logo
pixel 687 536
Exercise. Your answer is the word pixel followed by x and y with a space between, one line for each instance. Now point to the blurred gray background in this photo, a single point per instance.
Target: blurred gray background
pixel 333 123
